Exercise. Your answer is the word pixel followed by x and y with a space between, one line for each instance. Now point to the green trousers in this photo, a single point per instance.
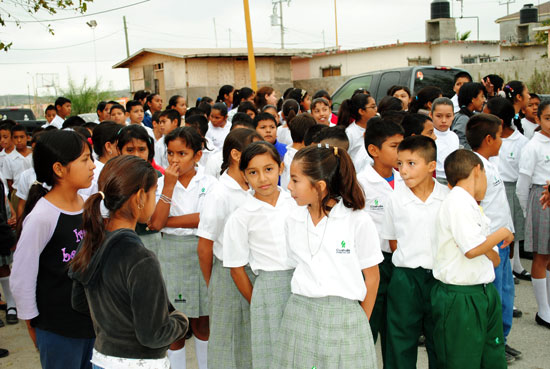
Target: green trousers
pixel 468 327
pixel 379 312
pixel 409 316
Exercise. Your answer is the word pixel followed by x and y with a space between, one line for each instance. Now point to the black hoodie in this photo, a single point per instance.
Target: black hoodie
pixel 127 299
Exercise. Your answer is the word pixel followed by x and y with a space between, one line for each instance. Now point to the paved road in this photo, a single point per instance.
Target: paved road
pixel 528 337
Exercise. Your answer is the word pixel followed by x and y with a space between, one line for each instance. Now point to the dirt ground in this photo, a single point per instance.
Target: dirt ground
pixel 526 336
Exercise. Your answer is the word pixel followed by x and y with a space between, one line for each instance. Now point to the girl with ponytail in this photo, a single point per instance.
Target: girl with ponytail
pixel 334 245
pixel 290 109
pixel 517 93
pixel 50 231
pixel 117 280
pixel 471 99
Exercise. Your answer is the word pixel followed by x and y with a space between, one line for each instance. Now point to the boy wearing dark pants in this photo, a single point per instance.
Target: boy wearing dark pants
pixel 379 181
pixel 466 306
pixel 483 134
pixel 410 225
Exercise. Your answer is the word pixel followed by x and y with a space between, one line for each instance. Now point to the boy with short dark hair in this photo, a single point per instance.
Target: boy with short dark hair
pixel 266 125
pixel 333 136
pixel 460 79
pixel 135 113
pixel 465 304
pixel 49 113
pixel 62 110
pixel 8 149
pixel 118 114
pixel 169 120
pixel 483 134
pixel 20 159
pixel 378 181
pixel 412 242
pixel 298 127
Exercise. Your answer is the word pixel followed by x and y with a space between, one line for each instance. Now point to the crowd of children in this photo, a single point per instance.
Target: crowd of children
pixel 279 234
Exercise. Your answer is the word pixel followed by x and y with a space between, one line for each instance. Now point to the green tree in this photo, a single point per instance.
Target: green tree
pixel 463 36
pixel 34 6
pixel 84 97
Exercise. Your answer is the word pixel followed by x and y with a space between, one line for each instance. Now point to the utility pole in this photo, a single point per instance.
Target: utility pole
pixel 336 25
pixel 279 21
pixel 507 3
pixel 230 38
pixel 250 45
pixel 281 24
pixel 127 51
pixel 215 33
pixel 324 46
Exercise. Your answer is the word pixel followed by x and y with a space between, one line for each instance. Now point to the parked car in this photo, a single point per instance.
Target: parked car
pixel 25 117
pixel 415 78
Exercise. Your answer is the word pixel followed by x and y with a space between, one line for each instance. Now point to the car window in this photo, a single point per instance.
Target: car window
pixel 442 78
pixel 347 90
pixel 387 80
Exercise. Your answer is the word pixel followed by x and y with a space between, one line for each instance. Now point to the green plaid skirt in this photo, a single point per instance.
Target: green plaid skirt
pixel 182 274
pixel 515 210
pixel 324 333
pixel 229 341
pixel 537 223
pixel 269 298
pixel 152 242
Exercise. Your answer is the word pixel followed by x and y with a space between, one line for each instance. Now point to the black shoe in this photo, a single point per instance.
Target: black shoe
pixel 4 352
pixel 524 275
pixel 11 316
pixel 509 358
pixel 517 313
pixel 512 351
pixel 541 321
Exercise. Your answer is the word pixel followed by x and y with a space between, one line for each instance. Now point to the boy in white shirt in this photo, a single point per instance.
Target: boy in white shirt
pixel 20 158
pixel 63 109
pixel 447 141
pixel 483 134
pixel 413 244
pixel 466 307
pixel 135 113
pixel 168 120
pixel 378 182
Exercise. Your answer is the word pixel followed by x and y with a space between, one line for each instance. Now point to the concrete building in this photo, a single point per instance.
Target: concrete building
pixel 195 73
pixel 513 32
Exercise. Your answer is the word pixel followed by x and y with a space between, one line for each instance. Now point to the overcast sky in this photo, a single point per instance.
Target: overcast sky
pixel 189 24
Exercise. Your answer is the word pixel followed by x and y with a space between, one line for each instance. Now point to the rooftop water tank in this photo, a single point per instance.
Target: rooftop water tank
pixel 440 9
pixel 528 14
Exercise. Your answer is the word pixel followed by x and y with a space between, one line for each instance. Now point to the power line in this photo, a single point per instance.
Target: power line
pixel 79 16
pixel 69 46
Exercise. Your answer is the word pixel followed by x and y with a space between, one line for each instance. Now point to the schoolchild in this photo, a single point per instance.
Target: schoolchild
pixel 333 136
pixel 229 312
pixel 483 134
pixel 320 109
pixel 118 114
pixel 447 141
pixel 298 128
pixel 378 181
pixel 218 127
pixel 459 79
pixel 51 232
pixel 423 100
pixel 266 126
pixel 177 102
pixel 134 112
pixel 418 124
pixel 530 120
pixel 168 120
pixel 153 104
pixel 62 110
pixel 184 187
pixel 225 96
pixel 413 244
pixel 8 149
pixel 20 158
pixel 104 143
pixel 289 110
pixel 333 119
pixel 255 236
pixel 534 171
pixel 466 306
pixel 117 280
pixel 265 96
pixel 471 99
pixel 403 93
pixel 246 107
pixel 335 247
pixel 49 113
pixel 272 109
pixel 517 93
pixel 302 97
pixel 158 129
pixel 509 157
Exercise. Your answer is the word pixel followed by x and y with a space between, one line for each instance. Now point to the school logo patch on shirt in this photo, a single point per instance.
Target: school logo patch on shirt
pixel 342 249
pixel 496 181
pixel 546 159
pixel 376 206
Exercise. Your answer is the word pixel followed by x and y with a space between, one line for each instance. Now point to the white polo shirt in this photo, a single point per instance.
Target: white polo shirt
pixel 362 160
pixel 57 122
pixel 461 226
pixel 509 156
pixel 356 142
pixel 214 164
pixel 495 203
pixel 330 256
pixel 283 135
pixel 255 234
pixel 446 143
pixel 224 198
pixel 528 128
pixel 24 182
pixel 416 240
pixel 289 156
pixel 15 164
pixel 188 200
pixel 535 159
pixel 217 135
pixel 377 192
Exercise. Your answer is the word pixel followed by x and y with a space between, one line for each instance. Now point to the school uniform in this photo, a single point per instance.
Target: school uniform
pixel 281 149
pixel 229 343
pixel 3 156
pixel 283 135
pixel 446 143
pixel 528 128
pixel 217 135
pixel 409 302
pixel 459 127
pixel 456 105
pixel 207 151
pixel 214 164
pixel 285 176
pixel 466 306
pixel 356 139
pixel 377 192
pixel 57 122
pixel 496 208
pixel 148 119
pixel 535 167
pixel 148 129
pixel 15 164
pixel 160 153
pixel 178 256
pixel 323 325
pixel 255 235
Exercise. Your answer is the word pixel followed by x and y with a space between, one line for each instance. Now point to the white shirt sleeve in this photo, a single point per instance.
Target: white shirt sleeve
pixel 466 231
pixel 522 191
pixel 388 228
pixel 289 252
pixel 38 229
pixel 235 241
pixel 367 242
pixel 211 218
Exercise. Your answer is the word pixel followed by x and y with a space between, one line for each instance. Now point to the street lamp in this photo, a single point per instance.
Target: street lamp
pixel 93 24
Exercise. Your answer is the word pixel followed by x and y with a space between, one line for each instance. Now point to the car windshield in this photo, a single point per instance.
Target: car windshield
pixel 442 78
pixel 16 114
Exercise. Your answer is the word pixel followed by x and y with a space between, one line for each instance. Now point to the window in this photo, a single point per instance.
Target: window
pixel 159 66
pixel 388 79
pixel 413 62
pixel 346 90
pixel 157 86
pixel 331 71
